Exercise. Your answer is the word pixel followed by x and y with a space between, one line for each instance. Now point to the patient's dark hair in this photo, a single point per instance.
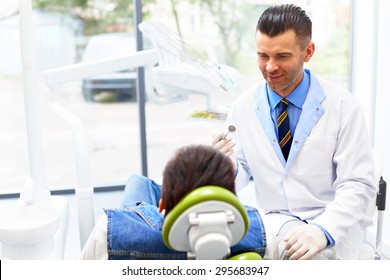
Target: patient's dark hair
pixel 192 167
pixel 276 20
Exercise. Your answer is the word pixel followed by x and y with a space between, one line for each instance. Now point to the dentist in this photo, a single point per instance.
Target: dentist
pixel 315 181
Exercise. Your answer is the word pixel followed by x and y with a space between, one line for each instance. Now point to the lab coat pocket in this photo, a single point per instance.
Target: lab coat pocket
pixel 315 156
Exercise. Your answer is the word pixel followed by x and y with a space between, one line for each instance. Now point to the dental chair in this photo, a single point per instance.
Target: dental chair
pixel 206 224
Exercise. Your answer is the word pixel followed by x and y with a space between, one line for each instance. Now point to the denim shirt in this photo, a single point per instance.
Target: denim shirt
pixel 135 233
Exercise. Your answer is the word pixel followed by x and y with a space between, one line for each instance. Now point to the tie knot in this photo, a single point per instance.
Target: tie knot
pixel 284 103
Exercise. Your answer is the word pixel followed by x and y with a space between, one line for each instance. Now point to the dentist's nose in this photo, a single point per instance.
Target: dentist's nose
pixel 271 66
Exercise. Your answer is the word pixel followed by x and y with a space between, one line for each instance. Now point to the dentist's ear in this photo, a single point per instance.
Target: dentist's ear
pixel 160 206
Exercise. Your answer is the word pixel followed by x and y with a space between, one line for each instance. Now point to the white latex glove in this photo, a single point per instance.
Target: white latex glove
pixel 303 242
pixel 225 145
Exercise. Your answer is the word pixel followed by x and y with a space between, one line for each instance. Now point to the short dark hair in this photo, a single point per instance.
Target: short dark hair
pixel 276 20
pixel 192 167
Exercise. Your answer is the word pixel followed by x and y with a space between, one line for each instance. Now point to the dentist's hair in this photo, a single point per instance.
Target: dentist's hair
pixel 276 20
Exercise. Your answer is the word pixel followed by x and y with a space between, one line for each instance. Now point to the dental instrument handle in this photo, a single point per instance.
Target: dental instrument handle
pixel 231 128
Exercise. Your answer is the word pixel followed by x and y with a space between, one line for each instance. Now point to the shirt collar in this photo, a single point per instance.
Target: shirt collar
pixel 297 97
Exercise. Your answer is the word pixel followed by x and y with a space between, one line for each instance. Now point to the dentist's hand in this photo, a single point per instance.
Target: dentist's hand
pixel 225 145
pixel 303 242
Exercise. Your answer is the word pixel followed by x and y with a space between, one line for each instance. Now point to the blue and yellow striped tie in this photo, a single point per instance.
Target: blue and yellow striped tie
pixel 285 137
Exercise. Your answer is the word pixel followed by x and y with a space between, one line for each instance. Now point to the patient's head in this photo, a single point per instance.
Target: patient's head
pixel 192 167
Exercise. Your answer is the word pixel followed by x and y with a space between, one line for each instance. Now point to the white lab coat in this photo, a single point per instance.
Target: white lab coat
pixel 329 176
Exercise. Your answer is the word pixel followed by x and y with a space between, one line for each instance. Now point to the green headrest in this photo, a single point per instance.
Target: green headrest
pixel 246 257
pixel 202 194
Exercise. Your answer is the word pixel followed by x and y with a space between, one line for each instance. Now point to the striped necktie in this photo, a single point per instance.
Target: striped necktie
pixel 285 137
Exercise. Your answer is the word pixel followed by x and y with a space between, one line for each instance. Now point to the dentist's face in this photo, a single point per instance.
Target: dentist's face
pixel 281 59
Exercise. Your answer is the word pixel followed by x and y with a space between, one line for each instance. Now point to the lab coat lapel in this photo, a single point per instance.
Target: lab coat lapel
pixel 312 110
pixel 264 117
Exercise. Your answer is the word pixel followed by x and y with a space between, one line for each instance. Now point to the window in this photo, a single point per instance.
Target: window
pixel 223 36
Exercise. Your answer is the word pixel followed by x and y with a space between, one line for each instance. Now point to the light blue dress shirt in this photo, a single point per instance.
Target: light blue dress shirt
pixel 296 99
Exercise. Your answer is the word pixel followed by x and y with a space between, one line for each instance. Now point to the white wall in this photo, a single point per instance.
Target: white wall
pixel 370 62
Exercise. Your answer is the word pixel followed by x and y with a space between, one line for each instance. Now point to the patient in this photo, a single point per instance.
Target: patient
pixel 134 230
